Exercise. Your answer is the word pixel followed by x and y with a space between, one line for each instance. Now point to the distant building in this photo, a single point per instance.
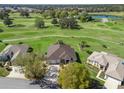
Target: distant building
pixel 60 53
pixel 112 65
pixel 104 20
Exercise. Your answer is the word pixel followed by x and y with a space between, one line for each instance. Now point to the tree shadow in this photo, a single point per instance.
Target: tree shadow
pixel 11 25
pixel 78 57
pixel 95 84
pixel 35 82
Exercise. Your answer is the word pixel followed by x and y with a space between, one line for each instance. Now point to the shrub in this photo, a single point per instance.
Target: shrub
pixel 69 23
pixel 1 30
pixel 33 65
pixel 20 43
pixel 39 23
pixel 89 52
pixel 74 76
pixel 35 68
pixel 6 44
pixel 30 49
pixel 104 46
pixel 3 72
pixel 54 21
pixel 1 41
pixel 7 21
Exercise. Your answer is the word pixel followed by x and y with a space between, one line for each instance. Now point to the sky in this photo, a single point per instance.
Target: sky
pixel 61 1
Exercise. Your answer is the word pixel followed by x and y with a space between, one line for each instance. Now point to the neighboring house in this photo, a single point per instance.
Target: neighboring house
pixel 98 59
pixel 12 51
pixel 112 65
pixel 60 53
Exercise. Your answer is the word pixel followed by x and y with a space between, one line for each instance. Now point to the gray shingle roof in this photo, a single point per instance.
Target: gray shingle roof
pixel 60 51
pixel 98 57
pixel 115 68
pixel 116 71
pixel 19 49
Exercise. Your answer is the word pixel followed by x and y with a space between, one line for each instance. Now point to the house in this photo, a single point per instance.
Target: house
pixel 114 74
pixel 98 60
pixel 60 53
pixel 12 51
pixel 112 65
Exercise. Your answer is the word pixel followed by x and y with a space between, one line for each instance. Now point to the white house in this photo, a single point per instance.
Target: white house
pixel 112 65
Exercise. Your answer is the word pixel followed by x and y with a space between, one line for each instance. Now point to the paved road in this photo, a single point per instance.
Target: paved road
pixel 11 83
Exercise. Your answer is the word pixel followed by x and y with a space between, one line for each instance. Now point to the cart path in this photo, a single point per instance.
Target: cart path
pixel 63 36
pixel 103 29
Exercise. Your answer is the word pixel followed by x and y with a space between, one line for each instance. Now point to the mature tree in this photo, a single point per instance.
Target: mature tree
pixel 84 44
pixel 39 23
pixel 63 14
pixel 24 13
pixel 73 13
pixel 35 69
pixel 33 65
pixel 85 17
pixel 60 42
pixel 54 21
pixel 45 14
pixel 7 21
pixel 74 76
pixel 3 14
pixel 52 13
pixel 70 23
pixel 57 15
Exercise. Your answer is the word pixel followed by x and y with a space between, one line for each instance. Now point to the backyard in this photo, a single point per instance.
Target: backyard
pixel 96 34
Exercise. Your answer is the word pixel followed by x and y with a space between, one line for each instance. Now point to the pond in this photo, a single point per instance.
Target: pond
pixel 106 16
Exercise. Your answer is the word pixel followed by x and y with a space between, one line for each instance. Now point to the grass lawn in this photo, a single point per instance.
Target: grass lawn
pixel 96 35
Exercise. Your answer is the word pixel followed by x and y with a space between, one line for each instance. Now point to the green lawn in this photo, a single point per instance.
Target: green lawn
pixel 96 35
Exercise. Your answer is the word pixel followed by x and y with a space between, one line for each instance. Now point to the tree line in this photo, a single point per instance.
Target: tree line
pixel 64 19
pixel 88 8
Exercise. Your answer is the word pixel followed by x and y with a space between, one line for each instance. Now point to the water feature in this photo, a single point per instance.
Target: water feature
pixel 106 16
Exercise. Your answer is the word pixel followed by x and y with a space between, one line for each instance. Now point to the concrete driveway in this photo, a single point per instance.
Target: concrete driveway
pixel 11 83
pixel 17 72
